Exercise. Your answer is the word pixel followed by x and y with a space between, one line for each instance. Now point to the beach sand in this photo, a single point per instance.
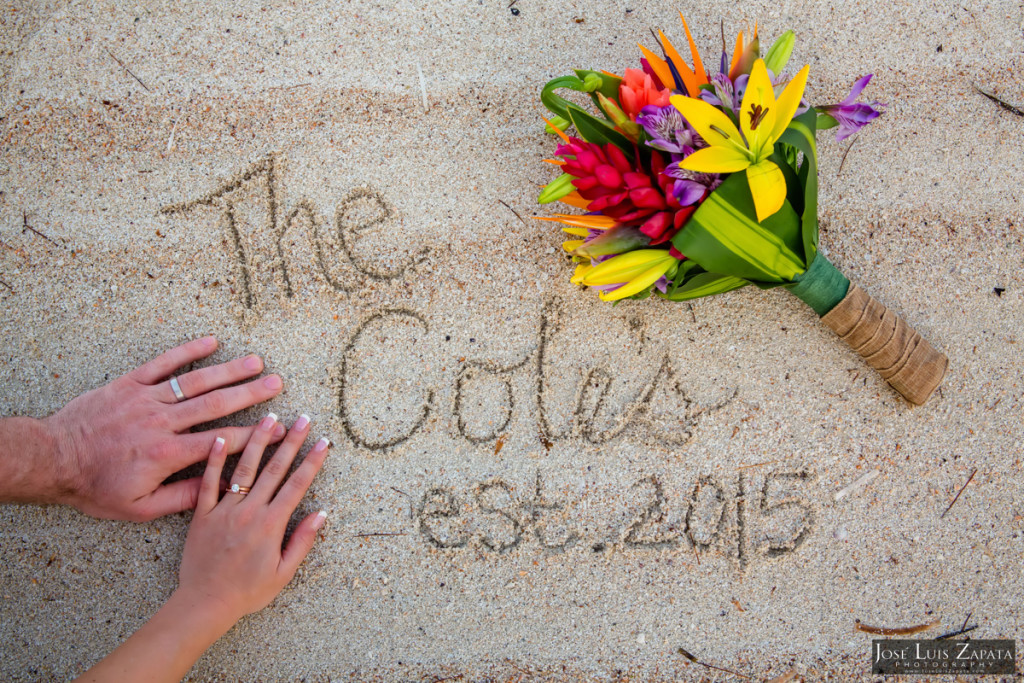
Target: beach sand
pixel 527 483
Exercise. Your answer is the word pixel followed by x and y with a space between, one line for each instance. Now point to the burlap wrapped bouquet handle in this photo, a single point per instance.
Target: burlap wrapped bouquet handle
pixel 903 358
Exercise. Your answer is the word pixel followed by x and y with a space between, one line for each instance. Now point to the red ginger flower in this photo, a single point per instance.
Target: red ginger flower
pixel 618 189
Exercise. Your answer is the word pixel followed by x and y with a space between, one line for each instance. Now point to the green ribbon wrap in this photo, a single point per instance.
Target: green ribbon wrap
pixel 821 286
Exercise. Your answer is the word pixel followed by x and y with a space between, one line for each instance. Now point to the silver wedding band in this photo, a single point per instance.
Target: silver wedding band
pixel 176 388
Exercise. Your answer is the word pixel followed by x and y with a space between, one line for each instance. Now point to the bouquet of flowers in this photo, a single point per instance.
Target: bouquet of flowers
pixel 696 184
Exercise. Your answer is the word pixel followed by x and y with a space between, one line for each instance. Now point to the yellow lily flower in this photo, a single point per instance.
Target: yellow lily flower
pixel 637 269
pixel 763 119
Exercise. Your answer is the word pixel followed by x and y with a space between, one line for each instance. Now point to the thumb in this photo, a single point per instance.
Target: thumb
pixel 171 498
pixel 301 542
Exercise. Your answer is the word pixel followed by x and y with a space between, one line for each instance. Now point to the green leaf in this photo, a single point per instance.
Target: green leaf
pixel 556 189
pixel 686 269
pixel 593 129
pixel 640 296
pixel 704 284
pixel 790 229
pixel 582 82
pixel 555 104
pixel 723 236
pixel 800 134
pixel 826 121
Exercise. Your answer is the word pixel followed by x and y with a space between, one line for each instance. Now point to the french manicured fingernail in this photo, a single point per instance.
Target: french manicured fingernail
pixel 302 421
pixel 220 443
pixel 269 421
pixel 272 382
pixel 322 444
pixel 279 430
pixel 318 521
pixel 252 363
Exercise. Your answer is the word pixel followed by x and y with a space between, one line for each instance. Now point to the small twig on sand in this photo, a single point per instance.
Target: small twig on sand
pixel 170 140
pixel 412 514
pixel 694 546
pixel 959 492
pixel 897 631
pixel 711 666
pixel 513 211
pixel 518 668
pixel 843 160
pixel 1005 105
pixel 125 67
pixel 7 286
pixel 380 533
pixel 26 226
pixel 959 632
pixel 856 484
pixel 423 87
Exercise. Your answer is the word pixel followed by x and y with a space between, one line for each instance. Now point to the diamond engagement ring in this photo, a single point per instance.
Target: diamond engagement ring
pixel 241 490
pixel 176 388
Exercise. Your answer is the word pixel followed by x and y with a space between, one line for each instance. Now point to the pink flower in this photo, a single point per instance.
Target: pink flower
pixel 639 90
pixel 631 195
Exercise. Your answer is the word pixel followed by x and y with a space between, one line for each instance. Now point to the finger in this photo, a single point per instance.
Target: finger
pixel 166 364
pixel 223 402
pixel 249 463
pixel 195 447
pixel 198 382
pixel 292 491
pixel 209 493
pixel 272 475
pixel 301 542
pixel 171 498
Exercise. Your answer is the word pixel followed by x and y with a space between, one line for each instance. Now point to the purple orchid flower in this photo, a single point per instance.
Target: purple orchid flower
pixel 667 129
pixel 722 92
pixel 690 186
pixel 852 116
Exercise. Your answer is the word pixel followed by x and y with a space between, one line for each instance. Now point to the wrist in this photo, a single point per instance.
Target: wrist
pixel 32 467
pixel 63 465
pixel 208 614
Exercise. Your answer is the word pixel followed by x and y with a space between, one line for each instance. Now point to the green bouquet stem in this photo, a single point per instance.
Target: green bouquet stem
pixel 904 359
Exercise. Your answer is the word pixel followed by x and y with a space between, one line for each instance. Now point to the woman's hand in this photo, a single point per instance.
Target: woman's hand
pixel 233 556
pixel 233 563
pixel 113 447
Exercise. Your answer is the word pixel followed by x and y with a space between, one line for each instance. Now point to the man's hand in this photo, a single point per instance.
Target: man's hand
pixel 114 446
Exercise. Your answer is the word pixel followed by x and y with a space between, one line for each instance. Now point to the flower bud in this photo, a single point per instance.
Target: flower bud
pixel 615 241
pixel 629 128
pixel 558 122
pixel 592 82
pixel 556 189
pixel 779 53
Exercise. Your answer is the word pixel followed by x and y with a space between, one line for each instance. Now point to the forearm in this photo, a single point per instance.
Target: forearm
pixel 32 469
pixel 167 646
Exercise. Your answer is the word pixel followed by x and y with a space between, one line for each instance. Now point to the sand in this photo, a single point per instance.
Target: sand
pixel 559 489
